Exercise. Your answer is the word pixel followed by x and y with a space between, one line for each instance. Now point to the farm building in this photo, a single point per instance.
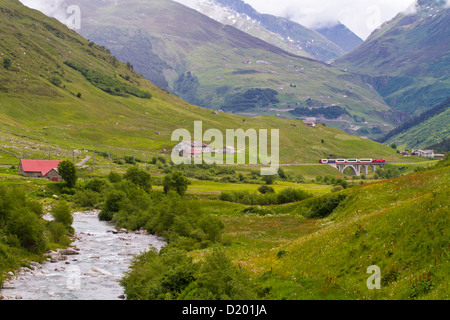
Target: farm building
pixel 192 148
pixel 227 149
pixel 40 169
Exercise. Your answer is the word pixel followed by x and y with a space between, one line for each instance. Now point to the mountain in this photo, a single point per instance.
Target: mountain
pixel 407 60
pixel 340 35
pixel 63 94
pixel 222 68
pixel 278 31
pixel 430 128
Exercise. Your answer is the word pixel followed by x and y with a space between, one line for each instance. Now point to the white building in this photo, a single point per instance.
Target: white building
pixel 192 148
pixel 227 149
pixel 424 153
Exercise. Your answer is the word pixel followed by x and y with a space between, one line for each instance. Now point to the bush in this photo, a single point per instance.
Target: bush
pixel 55 81
pixel 266 189
pixel 111 205
pixel 57 233
pixel 6 63
pixel 114 177
pixel 218 278
pixel 61 212
pixel 86 198
pixel 322 207
pixel 287 195
pixel 96 184
pixel 139 177
pixel 292 195
pixel 28 229
pixel 177 182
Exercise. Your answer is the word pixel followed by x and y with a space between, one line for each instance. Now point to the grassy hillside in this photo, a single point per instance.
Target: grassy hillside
pixel 400 225
pixel 46 105
pixel 425 130
pixel 165 40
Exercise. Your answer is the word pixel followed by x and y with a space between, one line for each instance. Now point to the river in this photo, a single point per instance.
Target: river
pixel 89 270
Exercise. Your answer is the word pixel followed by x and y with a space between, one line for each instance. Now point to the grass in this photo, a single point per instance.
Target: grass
pixel 198 186
pixel 399 225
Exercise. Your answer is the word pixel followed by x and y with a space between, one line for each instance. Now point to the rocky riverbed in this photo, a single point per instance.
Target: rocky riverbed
pixel 88 270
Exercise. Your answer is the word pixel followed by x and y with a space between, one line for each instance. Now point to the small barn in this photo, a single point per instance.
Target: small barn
pixel 47 169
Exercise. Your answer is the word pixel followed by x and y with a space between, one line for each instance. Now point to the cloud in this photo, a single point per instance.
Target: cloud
pixel 51 8
pixel 360 16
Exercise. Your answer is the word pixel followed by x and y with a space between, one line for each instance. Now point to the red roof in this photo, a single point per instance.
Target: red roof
pixel 42 166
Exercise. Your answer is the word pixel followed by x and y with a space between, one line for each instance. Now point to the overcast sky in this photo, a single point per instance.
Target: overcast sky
pixel 360 16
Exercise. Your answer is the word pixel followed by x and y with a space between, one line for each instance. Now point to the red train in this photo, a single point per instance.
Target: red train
pixel 326 161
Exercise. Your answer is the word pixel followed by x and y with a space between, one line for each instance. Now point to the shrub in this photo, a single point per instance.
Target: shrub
pixel 322 207
pixel 266 189
pixel 114 177
pixel 96 184
pixel 57 233
pixel 218 278
pixel 177 182
pixel 111 205
pixel 55 81
pixel 292 195
pixel 6 63
pixel 86 198
pixel 139 177
pixel 61 212
pixel 28 229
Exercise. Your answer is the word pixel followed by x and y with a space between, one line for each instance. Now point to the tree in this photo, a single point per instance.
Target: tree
pixel 68 172
pixel 139 177
pixel 177 182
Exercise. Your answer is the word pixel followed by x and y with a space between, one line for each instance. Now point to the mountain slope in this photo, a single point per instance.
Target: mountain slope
pixel 219 67
pixel 279 31
pixel 407 60
pixel 341 36
pixel 60 93
pixel 422 131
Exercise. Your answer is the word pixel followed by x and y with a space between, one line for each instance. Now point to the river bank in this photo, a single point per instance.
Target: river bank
pixel 90 269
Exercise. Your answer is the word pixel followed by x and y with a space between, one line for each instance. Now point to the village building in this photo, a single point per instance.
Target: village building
pixel 423 153
pixel 47 169
pixel 310 122
pixel 225 150
pixel 192 148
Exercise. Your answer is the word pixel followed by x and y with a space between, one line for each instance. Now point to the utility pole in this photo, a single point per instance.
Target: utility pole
pixel 49 158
